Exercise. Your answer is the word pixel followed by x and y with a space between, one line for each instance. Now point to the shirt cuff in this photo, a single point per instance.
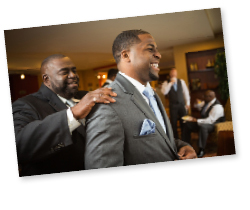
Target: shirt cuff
pixel 203 121
pixel 72 122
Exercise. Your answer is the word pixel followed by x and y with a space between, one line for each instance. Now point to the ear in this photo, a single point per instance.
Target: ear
pixel 46 79
pixel 125 56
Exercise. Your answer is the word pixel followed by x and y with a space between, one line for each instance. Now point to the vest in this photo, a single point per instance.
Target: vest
pixel 221 119
pixel 176 97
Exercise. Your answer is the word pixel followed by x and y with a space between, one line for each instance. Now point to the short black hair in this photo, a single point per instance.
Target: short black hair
pixel 112 72
pixel 124 41
pixel 51 57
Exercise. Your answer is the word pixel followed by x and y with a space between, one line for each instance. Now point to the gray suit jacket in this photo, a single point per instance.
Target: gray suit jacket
pixel 112 131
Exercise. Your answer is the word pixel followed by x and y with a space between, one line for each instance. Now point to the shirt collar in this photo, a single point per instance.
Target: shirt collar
pixel 140 87
pixel 64 100
pixel 211 102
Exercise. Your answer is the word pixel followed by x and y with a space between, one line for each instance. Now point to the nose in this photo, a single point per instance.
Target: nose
pixel 72 74
pixel 157 55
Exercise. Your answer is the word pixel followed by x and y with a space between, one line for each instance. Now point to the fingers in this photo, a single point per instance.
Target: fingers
pixel 103 95
pixel 187 152
pixel 107 91
pixel 107 99
pixel 102 98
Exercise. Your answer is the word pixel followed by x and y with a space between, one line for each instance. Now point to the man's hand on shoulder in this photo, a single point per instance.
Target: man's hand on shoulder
pixel 101 95
pixel 187 152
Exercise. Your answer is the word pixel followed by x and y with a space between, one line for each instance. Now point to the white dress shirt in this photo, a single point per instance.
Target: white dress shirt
pixel 216 112
pixel 166 86
pixel 72 122
pixel 140 87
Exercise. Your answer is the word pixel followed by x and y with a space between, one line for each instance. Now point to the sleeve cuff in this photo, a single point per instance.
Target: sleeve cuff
pixel 72 122
pixel 199 121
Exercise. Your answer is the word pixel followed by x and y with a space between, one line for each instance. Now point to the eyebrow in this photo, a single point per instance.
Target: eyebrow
pixel 63 69
pixel 151 45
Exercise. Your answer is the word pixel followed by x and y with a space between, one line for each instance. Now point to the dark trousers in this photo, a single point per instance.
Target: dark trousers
pixel 177 111
pixel 203 129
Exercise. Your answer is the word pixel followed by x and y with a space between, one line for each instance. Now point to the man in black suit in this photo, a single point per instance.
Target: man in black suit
pixel 212 112
pixel 135 129
pixel 49 127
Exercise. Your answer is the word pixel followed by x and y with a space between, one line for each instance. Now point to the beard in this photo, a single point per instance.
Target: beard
pixel 152 76
pixel 63 89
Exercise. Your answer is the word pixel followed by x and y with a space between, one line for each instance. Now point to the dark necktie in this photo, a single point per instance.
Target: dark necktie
pixel 203 111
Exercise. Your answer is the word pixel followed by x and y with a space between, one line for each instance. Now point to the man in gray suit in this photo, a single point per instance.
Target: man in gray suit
pixel 135 129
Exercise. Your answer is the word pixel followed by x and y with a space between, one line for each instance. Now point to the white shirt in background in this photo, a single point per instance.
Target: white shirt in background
pixel 166 86
pixel 216 112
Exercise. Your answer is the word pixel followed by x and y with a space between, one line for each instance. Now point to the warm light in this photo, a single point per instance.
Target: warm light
pixel 22 76
pixel 103 76
pixel 98 77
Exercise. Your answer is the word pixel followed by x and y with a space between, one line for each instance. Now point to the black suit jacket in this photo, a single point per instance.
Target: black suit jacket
pixel 43 140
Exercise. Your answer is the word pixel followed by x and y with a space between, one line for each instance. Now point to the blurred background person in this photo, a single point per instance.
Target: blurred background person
pixel 160 94
pixel 212 112
pixel 111 77
pixel 179 99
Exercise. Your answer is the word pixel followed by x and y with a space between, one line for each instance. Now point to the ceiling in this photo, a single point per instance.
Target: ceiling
pixel 89 44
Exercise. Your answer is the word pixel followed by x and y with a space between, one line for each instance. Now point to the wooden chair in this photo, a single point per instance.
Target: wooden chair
pixel 223 133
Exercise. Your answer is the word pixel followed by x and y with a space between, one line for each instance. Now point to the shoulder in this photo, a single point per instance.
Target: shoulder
pixel 182 81
pixel 218 107
pixel 26 99
pixel 110 110
pixel 105 84
pixel 29 102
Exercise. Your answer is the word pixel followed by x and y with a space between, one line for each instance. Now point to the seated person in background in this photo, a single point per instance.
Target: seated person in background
pixel 212 112
pixel 111 77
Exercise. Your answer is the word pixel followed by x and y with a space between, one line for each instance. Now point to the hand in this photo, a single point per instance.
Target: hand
pixel 173 80
pixel 187 152
pixel 198 101
pixel 85 105
pixel 194 120
pixel 187 107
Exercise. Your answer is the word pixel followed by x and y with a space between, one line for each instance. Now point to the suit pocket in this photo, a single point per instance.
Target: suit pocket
pixel 152 135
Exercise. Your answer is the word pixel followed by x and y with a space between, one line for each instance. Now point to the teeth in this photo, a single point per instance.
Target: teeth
pixel 155 65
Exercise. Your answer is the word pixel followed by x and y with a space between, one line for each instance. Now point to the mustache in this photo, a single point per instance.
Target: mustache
pixel 72 80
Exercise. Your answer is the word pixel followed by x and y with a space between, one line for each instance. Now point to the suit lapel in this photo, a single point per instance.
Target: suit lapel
pixel 57 104
pixel 140 102
pixel 52 98
pixel 166 120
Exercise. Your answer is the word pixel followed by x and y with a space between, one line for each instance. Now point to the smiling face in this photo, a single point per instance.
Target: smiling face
pixel 61 77
pixel 144 59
